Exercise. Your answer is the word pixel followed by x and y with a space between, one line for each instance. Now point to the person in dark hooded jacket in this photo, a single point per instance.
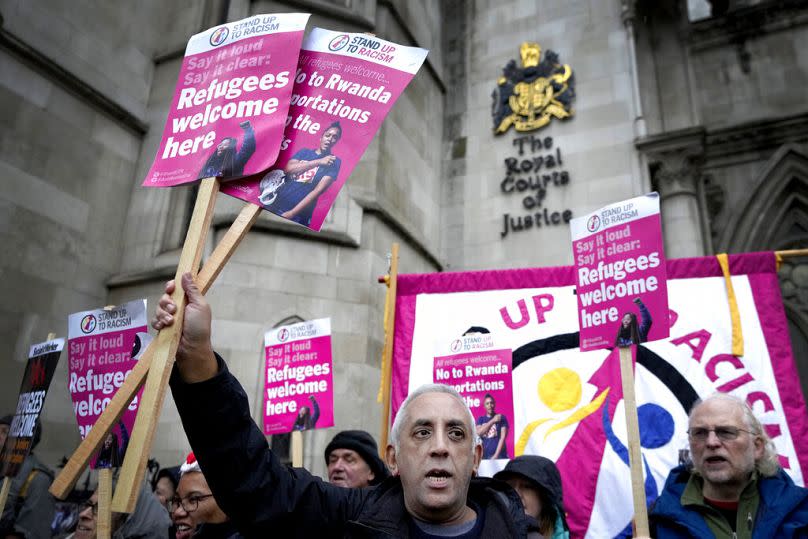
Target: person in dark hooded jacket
pixel 29 507
pixel 538 483
pixel 433 454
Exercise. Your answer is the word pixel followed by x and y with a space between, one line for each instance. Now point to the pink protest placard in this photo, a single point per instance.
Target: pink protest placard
pixel 103 347
pixel 231 100
pixel 482 375
pixel 298 390
pixel 344 87
pixel 621 280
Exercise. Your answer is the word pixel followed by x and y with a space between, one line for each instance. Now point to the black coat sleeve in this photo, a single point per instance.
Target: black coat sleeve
pixel 248 481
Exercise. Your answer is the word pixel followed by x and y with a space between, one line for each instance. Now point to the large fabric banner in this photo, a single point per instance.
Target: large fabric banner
pixel 568 404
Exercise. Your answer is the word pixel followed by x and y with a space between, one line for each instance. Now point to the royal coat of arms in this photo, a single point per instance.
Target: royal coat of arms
pixel 527 98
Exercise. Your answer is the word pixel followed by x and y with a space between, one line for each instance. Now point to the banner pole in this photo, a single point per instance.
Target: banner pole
pixel 104 528
pixel 791 253
pixel 387 354
pixel 151 403
pixel 633 439
pixel 80 458
pixel 297 449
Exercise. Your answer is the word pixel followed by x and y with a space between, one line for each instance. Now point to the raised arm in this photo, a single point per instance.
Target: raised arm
pixel 247 146
pixel 645 319
pixel 251 485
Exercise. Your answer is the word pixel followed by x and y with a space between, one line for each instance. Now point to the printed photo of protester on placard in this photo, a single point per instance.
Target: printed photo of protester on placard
pixel 228 159
pixel 307 416
pixel 307 175
pixel 492 428
pixel 631 331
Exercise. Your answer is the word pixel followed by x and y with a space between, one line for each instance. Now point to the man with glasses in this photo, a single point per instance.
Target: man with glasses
pixel 148 521
pixel 193 509
pixel 735 486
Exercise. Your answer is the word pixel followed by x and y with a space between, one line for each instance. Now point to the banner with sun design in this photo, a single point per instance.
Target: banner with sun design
pixel 568 405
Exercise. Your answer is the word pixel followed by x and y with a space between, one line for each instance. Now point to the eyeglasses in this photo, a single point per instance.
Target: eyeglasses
pixel 88 505
pixel 725 434
pixel 189 504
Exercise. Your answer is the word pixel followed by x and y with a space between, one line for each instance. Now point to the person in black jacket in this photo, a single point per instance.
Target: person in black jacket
pixel 433 455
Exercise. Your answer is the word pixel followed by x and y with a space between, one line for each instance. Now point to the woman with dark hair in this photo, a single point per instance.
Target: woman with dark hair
pixel 111 453
pixel 305 419
pixel 308 174
pixel 630 332
pixel 538 483
pixel 226 161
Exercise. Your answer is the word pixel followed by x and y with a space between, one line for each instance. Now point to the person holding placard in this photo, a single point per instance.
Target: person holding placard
pixel 434 456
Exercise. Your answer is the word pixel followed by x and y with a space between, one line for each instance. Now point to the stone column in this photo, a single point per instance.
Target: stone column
pixel 675 161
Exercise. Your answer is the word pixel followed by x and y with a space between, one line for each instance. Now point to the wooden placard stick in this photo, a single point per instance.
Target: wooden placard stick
pixel 80 458
pixel 297 449
pixel 387 354
pixel 104 500
pixel 151 402
pixel 4 493
pixel 633 438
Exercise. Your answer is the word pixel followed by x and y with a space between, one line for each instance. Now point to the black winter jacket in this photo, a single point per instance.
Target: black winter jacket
pixel 263 497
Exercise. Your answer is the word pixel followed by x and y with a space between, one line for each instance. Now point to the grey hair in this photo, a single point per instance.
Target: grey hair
pixel 403 412
pixel 768 465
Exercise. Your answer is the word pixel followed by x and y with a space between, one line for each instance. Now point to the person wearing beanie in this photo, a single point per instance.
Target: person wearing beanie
pixel 30 507
pixel 353 461
pixel 538 483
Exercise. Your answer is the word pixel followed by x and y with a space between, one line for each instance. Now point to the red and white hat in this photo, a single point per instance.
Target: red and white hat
pixel 190 465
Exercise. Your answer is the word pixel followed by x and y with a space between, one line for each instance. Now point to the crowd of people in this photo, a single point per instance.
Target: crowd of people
pixel 427 486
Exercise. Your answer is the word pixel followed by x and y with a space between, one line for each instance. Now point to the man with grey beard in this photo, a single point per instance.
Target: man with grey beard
pixel 735 487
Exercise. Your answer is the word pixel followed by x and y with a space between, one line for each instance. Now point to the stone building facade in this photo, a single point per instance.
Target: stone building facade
pixel 704 104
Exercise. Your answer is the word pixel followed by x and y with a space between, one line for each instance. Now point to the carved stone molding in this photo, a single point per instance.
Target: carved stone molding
pixel 675 159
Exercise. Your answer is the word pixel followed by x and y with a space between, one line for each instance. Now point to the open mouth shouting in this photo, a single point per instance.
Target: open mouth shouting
pixel 184 531
pixel 437 478
pixel 715 461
